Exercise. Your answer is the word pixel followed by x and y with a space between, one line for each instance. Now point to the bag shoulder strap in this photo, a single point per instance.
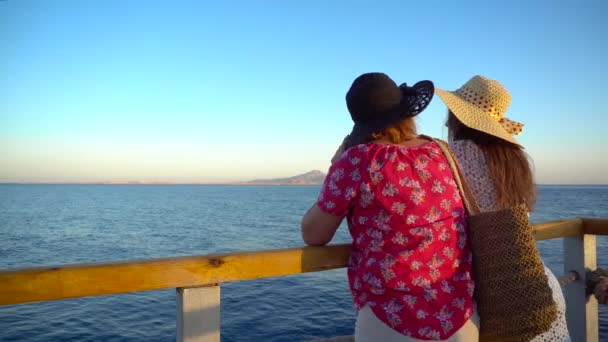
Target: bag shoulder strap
pixel 467 195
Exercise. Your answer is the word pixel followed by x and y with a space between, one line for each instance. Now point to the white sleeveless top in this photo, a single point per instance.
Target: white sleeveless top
pixel 474 167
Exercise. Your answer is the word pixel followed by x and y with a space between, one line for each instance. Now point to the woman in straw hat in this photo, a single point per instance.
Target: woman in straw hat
pixel 494 163
pixel 410 265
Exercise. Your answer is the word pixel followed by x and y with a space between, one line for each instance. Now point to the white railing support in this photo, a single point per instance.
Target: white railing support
pixel 582 316
pixel 198 314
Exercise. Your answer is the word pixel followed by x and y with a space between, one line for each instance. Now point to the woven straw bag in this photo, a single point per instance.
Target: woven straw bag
pixel 514 300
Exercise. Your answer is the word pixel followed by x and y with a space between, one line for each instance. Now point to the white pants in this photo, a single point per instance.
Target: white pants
pixel 371 329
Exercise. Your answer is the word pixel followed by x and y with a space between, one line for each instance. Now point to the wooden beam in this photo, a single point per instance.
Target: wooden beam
pixel 557 229
pixel 595 226
pixel 70 281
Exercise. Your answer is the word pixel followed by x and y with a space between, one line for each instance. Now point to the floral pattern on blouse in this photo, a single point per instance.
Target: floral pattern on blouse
pixel 411 258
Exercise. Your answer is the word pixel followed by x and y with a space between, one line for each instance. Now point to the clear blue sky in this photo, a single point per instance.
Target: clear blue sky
pixel 202 91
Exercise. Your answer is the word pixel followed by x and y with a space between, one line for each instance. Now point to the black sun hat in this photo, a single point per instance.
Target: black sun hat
pixel 375 102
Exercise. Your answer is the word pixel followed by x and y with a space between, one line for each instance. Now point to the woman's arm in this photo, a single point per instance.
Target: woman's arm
pixel 319 227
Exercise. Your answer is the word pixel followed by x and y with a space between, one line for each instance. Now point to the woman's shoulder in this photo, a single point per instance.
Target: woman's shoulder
pixel 387 147
pixel 467 151
pixel 354 157
pixel 375 151
pixel 466 144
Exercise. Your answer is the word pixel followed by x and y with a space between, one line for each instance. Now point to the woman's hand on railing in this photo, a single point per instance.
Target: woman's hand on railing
pixel 601 291
pixel 597 284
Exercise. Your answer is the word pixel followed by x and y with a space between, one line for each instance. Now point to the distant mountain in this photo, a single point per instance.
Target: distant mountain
pixel 311 177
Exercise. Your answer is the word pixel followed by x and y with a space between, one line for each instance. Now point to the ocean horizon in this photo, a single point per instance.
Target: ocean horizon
pixel 61 224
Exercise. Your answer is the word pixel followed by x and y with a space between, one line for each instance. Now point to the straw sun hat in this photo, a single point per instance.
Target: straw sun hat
pixel 481 104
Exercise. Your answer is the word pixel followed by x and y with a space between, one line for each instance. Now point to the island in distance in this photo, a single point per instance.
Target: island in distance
pixel 313 177
pixel 308 178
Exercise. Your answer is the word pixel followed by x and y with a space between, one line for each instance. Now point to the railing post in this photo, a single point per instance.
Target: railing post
pixel 198 314
pixel 582 316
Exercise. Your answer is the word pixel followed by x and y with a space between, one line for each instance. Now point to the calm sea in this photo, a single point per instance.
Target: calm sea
pixel 58 224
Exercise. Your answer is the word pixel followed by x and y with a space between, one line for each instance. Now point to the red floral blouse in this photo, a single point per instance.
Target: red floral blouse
pixel 411 257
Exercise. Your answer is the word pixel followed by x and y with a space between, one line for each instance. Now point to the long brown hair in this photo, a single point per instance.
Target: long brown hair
pixel 510 167
pixel 396 133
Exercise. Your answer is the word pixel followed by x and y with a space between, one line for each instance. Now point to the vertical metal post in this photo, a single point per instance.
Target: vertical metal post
pixel 582 316
pixel 198 314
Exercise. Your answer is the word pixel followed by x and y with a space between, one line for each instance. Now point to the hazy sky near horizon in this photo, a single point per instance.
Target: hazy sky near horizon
pixel 198 91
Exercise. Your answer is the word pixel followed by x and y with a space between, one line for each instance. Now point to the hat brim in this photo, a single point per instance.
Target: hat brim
pixel 415 100
pixel 423 92
pixel 473 116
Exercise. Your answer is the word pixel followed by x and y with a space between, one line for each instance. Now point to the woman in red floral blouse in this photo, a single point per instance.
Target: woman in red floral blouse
pixel 410 265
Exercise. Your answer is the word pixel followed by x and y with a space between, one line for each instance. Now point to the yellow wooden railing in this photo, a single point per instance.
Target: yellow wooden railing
pixel 197 278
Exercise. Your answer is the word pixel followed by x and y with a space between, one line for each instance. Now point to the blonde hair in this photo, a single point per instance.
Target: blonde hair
pixel 396 133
